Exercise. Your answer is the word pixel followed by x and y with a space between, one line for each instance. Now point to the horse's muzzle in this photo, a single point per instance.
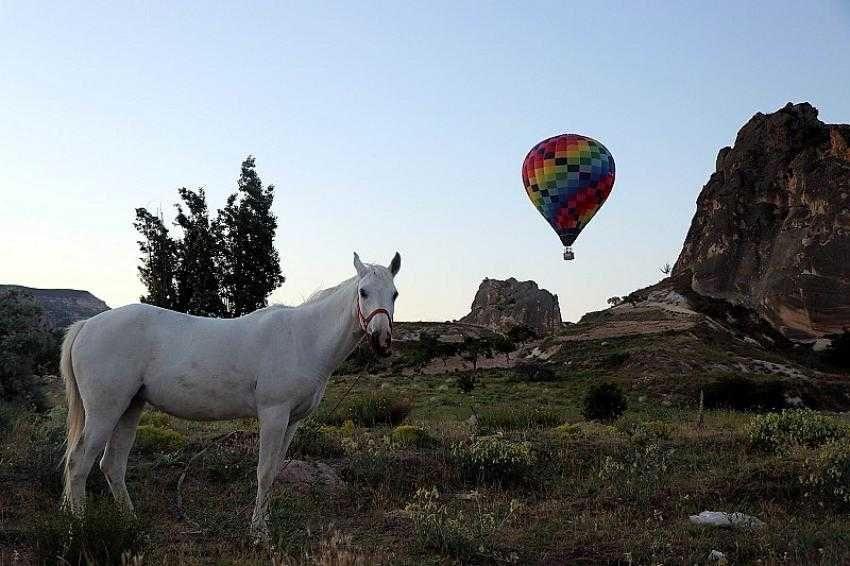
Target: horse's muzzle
pixel 381 343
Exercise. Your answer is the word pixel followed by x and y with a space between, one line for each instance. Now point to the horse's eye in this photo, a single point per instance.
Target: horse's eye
pixel 395 295
pixel 363 293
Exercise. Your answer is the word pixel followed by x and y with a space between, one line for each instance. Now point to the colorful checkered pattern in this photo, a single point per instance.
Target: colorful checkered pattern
pixel 568 177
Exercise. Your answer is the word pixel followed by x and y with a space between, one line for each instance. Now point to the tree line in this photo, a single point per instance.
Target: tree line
pixel 224 266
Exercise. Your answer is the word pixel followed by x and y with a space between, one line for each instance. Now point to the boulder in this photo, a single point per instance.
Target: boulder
pixel 303 473
pixel 772 226
pixel 502 305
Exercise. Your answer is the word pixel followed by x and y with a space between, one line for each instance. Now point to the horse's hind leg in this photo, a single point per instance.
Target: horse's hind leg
pixel 114 461
pixel 96 432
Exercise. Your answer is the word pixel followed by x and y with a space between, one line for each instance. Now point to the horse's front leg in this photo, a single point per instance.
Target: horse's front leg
pixel 275 435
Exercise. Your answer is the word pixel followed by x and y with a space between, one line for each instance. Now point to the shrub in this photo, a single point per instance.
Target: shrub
pixel 151 438
pixel 27 347
pixel 507 417
pixel 155 418
pixel 370 409
pixel 741 393
pixel 534 372
pixel 494 459
pixel 636 474
pixel 101 536
pixel 604 402
pixel 465 382
pixel 828 472
pixel 777 431
pixel 460 534
pixel 408 435
pixel 313 439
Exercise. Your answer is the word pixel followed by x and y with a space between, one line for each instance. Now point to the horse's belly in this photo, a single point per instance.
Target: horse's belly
pixel 199 398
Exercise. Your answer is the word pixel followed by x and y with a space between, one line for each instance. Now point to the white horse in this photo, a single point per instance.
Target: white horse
pixel 273 363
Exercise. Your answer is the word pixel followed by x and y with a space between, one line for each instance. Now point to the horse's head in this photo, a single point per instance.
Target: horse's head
pixel 376 295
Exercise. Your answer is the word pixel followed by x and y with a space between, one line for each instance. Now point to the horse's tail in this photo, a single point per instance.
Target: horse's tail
pixel 76 413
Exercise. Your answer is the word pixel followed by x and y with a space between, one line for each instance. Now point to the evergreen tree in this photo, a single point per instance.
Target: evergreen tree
pixel 249 263
pixel 197 280
pixel 158 260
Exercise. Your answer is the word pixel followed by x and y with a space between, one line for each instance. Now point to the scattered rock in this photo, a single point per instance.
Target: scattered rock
pixel 717 556
pixel 502 305
pixel 772 226
pixel 303 473
pixel 726 520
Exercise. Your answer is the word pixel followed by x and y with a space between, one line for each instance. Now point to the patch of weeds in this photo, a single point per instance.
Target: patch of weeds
pixel 534 372
pixel 604 402
pixel 411 436
pixel 101 536
pixel 779 431
pixel 647 432
pixel 508 417
pixel 320 441
pixel 289 527
pixel 637 474
pixel 225 465
pixel 152 438
pixel 460 534
pixel 370 409
pixel 155 418
pixel 827 472
pixel 494 459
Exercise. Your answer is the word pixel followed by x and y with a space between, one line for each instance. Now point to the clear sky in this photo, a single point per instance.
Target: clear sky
pixel 387 126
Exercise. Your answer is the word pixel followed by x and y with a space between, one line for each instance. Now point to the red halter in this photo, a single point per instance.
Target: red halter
pixel 364 320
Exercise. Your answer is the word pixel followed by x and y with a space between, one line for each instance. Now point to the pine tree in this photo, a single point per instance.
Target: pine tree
pixel 197 279
pixel 158 260
pixel 249 263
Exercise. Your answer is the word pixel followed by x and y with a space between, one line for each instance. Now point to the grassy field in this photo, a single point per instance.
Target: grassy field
pixel 528 481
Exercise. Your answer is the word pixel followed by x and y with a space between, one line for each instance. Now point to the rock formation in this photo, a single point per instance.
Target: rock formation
pixel 501 305
pixel 61 306
pixel 772 226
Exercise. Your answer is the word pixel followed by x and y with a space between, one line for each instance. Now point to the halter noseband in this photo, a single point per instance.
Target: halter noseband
pixel 365 320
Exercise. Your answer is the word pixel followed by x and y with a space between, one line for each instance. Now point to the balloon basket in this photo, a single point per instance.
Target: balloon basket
pixel 568 254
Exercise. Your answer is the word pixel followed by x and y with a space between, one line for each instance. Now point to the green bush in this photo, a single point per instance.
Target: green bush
pixel 151 438
pixel 604 402
pixel 459 534
pixel 778 431
pixel 636 474
pixel 313 439
pixel 509 417
pixel 408 435
pixel 101 536
pixel 27 349
pixel 370 409
pixel 494 459
pixel 155 418
pixel 534 372
pixel 827 473
pixel 741 393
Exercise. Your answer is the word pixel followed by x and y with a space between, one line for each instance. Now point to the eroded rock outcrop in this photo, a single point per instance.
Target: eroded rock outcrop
pixel 62 307
pixel 501 305
pixel 772 226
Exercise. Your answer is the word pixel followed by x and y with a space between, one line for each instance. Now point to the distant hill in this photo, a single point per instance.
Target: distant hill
pixel 62 307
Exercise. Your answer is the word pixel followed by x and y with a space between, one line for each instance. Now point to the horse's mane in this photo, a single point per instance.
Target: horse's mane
pixel 323 293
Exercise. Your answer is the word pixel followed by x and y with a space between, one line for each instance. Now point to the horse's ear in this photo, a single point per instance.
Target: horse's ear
pixel 395 264
pixel 358 265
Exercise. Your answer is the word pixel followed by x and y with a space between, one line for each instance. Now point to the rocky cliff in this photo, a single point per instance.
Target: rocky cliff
pixel 501 305
pixel 62 306
pixel 772 226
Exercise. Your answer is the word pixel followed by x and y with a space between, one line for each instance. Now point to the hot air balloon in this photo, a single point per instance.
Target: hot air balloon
pixel 567 178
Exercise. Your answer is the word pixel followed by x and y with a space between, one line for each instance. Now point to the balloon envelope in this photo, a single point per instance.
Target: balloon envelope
pixel 568 178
